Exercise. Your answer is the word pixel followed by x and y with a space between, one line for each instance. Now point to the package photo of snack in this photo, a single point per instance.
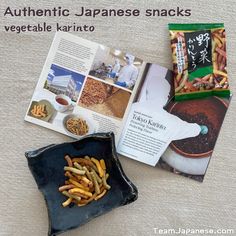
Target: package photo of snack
pixel 104 98
pixel 199 60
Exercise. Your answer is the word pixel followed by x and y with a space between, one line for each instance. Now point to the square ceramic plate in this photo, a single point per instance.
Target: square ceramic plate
pixel 46 165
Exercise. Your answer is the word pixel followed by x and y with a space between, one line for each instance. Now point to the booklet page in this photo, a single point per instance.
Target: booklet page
pixel 84 87
pixel 149 128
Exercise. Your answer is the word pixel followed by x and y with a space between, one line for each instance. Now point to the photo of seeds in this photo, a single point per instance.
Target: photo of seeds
pixel 199 60
pixel 104 98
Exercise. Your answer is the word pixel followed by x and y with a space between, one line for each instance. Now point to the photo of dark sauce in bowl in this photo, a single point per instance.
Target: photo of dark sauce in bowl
pixel 202 143
pixel 207 112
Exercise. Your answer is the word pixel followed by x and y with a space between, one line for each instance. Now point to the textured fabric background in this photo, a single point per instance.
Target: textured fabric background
pixel 165 200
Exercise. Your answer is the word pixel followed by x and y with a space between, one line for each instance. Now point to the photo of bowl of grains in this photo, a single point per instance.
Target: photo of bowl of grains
pixel 77 126
pixel 105 99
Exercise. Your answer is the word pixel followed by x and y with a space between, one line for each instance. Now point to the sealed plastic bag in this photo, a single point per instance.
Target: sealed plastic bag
pixel 199 60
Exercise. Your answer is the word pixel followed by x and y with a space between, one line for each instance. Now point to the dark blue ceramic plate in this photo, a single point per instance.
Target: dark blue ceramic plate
pixel 46 165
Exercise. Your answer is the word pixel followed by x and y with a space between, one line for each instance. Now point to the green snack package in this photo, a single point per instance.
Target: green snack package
pixel 199 60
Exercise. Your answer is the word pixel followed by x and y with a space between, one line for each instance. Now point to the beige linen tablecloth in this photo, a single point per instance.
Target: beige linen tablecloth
pixel 165 200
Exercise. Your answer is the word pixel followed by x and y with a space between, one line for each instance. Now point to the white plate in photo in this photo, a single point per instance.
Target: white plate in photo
pixel 192 166
pixel 73 129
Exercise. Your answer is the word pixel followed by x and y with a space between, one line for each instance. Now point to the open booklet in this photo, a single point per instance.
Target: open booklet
pixel 87 87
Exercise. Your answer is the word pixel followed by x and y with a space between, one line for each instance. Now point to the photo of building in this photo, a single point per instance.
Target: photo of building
pixel 64 81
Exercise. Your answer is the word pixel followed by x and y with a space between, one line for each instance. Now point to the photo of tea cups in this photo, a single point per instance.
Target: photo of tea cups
pixel 62 103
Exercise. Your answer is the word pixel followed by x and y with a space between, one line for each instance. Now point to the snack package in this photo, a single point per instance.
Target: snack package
pixel 199 60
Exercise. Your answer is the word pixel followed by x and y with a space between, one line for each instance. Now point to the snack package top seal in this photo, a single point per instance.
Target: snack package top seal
pixel 199 60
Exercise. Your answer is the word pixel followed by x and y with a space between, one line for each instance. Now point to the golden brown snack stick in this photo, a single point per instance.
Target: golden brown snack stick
pixel 34 109
pixel 80 190
pixel 78 177
pixel 42 114
pixel 103 164
pixel 69 161
pixel 37 110
pixel 223 81
pixel 67 202
pixel 85 186
pixel 85 180
pixel 41 109
pixel 66 187
pixel 97 163
pixel 82 201
pixel 107 175
pixel 91 187
pixel 107 186
pixel 37 115
pixel 217 72
pixel 102 188
pixel 79 185
pixel 214 57
pixel 100 195
pixel 69 175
